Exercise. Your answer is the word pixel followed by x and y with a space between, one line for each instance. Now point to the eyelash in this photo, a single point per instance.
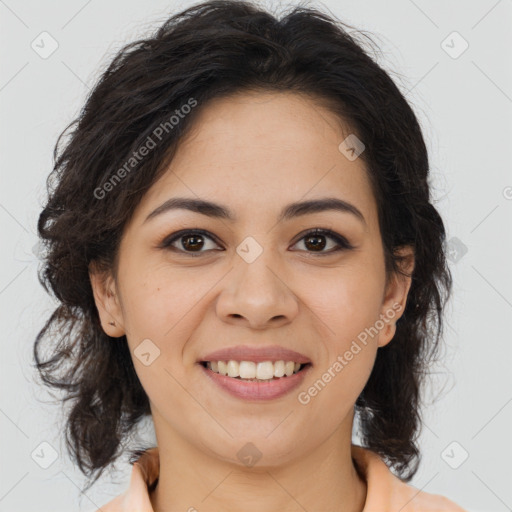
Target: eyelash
pixel 340 240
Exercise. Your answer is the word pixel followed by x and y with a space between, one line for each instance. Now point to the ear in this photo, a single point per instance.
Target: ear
pixel 395 295
pixel 107 301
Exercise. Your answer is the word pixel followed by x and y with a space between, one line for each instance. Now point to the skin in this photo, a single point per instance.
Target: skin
pixel 254 153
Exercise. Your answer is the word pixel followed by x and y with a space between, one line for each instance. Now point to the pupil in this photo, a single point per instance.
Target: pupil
pixel 187 245
pixel 316 245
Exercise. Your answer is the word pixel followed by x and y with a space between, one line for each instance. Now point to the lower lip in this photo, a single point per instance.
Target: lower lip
pixel 257 390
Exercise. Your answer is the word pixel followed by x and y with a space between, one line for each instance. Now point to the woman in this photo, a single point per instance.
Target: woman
pixel 241 236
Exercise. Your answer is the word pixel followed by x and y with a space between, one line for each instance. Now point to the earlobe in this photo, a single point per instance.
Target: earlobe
pixel 395 297
pixel 107 303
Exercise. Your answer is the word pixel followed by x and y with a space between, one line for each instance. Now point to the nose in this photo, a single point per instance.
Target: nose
pixel 256 295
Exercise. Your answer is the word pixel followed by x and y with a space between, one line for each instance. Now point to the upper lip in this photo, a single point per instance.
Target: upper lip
pixel 256 354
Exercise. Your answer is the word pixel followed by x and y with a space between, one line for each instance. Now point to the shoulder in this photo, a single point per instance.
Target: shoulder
pixel 115 505
pixel 414 500
pixel 386 492
pixel 136 497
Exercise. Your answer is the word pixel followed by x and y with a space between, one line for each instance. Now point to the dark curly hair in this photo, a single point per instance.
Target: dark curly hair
pixel 211 50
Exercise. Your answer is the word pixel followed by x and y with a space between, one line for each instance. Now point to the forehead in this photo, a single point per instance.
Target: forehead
pixel 258 150
pixel 280 126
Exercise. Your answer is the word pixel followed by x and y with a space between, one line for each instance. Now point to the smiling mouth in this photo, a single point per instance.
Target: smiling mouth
pixel 250 371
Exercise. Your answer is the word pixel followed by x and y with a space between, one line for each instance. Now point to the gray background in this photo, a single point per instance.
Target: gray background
pixel 464 102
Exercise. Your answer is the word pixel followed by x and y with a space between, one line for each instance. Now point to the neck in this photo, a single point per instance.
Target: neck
pixel 325 479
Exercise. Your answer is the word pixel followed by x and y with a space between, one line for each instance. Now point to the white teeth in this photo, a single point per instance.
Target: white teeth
pixel 233 369
pixel 265 370
pixel 223 368
pixel 288 368
pixel 247 370
pixel 279 369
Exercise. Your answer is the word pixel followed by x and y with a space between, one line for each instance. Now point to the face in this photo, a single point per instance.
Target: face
pixel 258 279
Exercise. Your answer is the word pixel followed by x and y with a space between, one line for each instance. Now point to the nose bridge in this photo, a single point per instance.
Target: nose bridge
pixel 256 281
pixel 256 291
pixel 259 274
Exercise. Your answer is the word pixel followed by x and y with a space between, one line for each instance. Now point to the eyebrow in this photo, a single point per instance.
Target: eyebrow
pixel 290 211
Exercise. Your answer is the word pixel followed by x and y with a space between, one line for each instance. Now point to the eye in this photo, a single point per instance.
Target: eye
pixel 314 239
pixel 191 241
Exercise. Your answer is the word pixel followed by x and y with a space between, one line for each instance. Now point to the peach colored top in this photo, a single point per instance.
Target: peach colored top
pixel 385 491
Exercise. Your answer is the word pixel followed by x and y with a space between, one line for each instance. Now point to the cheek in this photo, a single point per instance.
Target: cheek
pixel 157 301
pixel 348 303
pixel 348 308
pixel 161 310
pixel 348 347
